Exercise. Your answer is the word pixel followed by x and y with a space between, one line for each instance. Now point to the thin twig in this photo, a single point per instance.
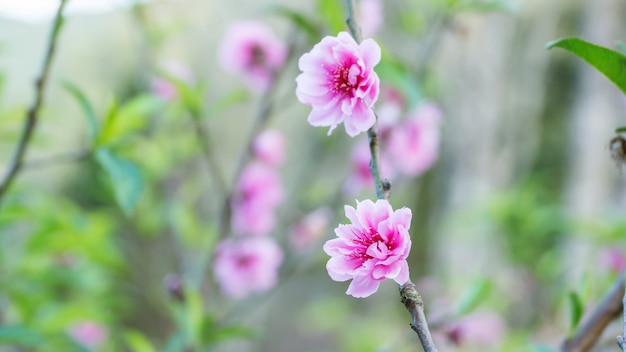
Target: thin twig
pixel 207 151
pixel 621 342
pixel 408 292
pixel 590 330
pixel 33 112
pixel 415 305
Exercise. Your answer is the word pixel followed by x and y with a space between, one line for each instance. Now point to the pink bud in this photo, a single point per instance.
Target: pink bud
pixel 269 147
pixel 88 333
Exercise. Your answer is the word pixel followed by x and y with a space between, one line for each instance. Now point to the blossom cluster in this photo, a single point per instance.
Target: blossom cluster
pixel 249 262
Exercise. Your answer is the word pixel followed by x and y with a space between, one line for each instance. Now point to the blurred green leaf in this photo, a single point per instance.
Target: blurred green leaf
pixel 332 12
pixel 19 335
pixel 130 117
pixel 483 5
pixel 473 296
pixel 576 310
pixel 300 20
pixel 125 178
pixel 137 342
pixel 212 333
pixel 621 129
pixel 610 63
pixel 395 73
pixel 90 115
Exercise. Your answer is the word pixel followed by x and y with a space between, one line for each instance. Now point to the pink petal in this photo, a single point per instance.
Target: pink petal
pixel 362 286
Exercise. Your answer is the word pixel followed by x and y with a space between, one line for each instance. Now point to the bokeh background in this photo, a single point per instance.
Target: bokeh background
pixel 523 210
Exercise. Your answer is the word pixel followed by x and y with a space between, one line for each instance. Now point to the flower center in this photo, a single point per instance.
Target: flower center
pixel 258 57
pixel 345 79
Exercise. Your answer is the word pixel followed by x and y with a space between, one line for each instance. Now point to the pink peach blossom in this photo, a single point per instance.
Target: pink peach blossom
pixel 310 228
pixel 251 50
pixel 338 81
pixel 269 147
pixel 247 265
pixel 88 333
pixel 258 192
pixel 371 16
pixel 485 329
pixel 414 144
pixel 374 247
pixel 613 258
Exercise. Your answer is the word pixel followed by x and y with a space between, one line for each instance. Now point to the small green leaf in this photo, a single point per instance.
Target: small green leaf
pixel 125 179
pixel 473 296
pixel 393 72
pixel 610 63
pixel 90 115
pixel 138 342
pixel 332 12
pixel 19 335
pixel 576 310
pixel 621 129
pixel 130 117
pixel 300 20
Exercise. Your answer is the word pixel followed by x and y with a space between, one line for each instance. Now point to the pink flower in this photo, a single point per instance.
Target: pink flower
pixel 257 194
pixel 88 333
pixel 247 265
pixel 478 329
pixel 374 247
pixel 339 82
pixel 371 18
pixel 251 50
pixel 269 147
pixel 310 228
pixel 414 145
pixel 613 258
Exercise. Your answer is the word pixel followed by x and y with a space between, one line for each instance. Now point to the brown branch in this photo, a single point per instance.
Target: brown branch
pixel 590 330
pixel 33 113
pixel 408 292
pixel 415 305
pixel 621 340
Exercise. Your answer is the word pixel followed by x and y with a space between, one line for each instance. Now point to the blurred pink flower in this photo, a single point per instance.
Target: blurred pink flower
pixel 477 329
pixel 269 147
pixel 613 258
pixel 257 194
pixel 339 82
pixel 250 49
pixel 414 144
pixel 247 265
pixel 374 247
pixel 371 18
pixel 310 228
pixel 88 333
pixel 171 70
pixel 361 177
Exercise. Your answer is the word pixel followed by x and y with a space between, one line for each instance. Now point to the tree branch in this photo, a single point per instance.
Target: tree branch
pixel 33 113
pixel 590 330
pixel 408 292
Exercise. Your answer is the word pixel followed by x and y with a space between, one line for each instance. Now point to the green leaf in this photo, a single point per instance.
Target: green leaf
pixel 90 115
pixel 128 118
pixel 125 178
pixel 611 63
pixel 138 342
pixel 576 310
pixel 300 20
pixel 473 296
pixel 19 335
pixel 393 72
pixel 621 129
pixel 332 12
